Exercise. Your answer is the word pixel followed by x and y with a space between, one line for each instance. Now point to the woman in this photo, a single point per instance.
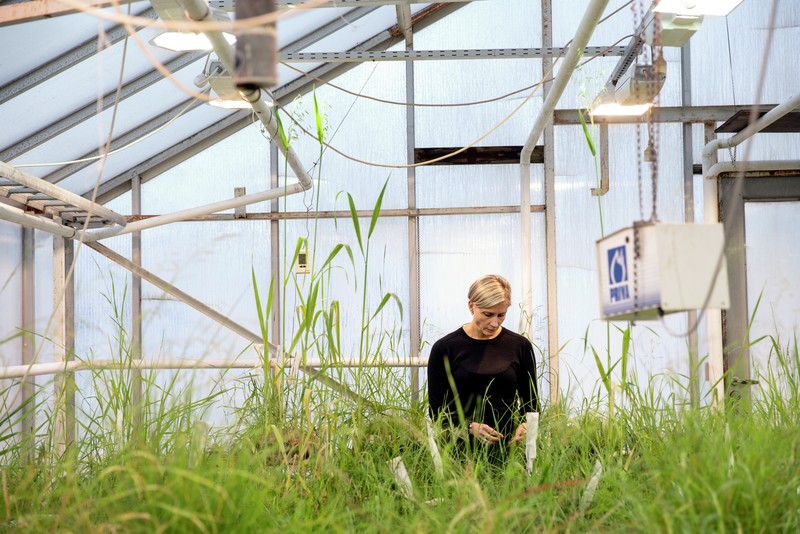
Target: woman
pixel 487 371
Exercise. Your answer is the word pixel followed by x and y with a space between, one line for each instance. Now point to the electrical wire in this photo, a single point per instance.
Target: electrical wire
pixel 112 152
pixel 443 105
pixel 431 161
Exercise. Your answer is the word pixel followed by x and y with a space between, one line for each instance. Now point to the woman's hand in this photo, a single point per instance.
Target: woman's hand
pixel 484 432
pixel 519 435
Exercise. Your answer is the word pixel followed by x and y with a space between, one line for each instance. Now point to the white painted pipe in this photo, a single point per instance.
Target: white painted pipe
pixel 200 211
pixel 531 436
pixel 750 166
pixel 16 215
pixel 199 10
pixel 55 368
pixel 585 29
pixel 711 215
pixel 43 186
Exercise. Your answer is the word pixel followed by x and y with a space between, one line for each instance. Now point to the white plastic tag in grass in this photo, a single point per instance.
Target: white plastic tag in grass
pixel 588 495
pixel 437 458
pixel 401 477
pixel 531 435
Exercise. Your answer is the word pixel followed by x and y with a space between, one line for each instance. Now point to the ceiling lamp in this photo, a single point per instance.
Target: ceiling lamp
pixel 186 41
pixel 170 10
pixel 606 105
pixel 716 8
pixel 634 92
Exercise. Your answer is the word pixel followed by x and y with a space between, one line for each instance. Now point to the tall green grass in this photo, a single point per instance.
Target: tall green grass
pixel 311 451
pixel 664 469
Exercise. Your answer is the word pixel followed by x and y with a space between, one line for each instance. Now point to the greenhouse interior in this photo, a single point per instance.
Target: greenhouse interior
pixel 392 265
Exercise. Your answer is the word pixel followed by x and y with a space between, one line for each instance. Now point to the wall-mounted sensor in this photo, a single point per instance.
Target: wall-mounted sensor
pixel 302 262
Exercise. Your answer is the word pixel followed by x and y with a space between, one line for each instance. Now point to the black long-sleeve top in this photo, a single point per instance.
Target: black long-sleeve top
pixel 489 376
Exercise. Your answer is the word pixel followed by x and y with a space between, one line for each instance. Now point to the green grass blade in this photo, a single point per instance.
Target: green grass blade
pixel 376 211
pixel 281 131
pixel 318 118
pixel 356 224
pixel 261 320
pixel 587 133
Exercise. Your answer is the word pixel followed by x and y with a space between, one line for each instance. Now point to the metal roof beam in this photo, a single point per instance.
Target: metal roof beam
pixel 69 59
pixel 348 3
pixel 193 144
pixel 87 112
pixel 417 55
pixel 125 139
pixel 49 132
pixel 230 5
pixel 693 114
pixel 328 29
pixel 17 12
pixel 65 123
pixel 404 22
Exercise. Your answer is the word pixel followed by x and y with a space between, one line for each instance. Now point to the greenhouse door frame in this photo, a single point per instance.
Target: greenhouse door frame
pixel 766 186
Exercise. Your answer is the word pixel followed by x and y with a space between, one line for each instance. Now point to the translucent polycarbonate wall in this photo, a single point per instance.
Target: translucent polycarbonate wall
pixel 366 138
pixel 367 131
pixel 10 292
pixel 11 306
pixel 773 284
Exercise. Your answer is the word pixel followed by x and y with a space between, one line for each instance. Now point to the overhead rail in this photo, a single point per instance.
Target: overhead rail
pixel 47 202
pixel 417 55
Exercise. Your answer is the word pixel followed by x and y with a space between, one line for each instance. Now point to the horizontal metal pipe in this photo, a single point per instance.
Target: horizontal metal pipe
pixel 200 211
pixel 55 368
pixel 28 180
pixel 773 115
pixel 16 215
pixel 751 166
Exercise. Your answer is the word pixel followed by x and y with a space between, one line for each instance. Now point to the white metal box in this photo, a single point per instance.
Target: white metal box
pixel 651 269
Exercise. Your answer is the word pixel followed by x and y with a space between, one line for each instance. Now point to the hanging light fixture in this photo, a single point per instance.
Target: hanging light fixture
pixel 634 92
pixel 170 10
pixel 716 8
pixel 186 41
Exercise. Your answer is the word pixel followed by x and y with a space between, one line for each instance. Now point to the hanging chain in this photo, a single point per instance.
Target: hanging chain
pixel 653 132
pixel 652 127
pixel 639 170
pixel 732 154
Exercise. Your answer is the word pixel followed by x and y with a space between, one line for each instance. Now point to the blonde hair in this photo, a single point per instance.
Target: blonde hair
pixel 489 291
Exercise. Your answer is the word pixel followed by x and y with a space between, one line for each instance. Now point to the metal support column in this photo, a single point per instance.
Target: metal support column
pixel 63 344
pixel 688 216
pixel 275 252
pixel 28 393
pixel 136 309
pixel 715 367
pixel 550 215
pixel 413 230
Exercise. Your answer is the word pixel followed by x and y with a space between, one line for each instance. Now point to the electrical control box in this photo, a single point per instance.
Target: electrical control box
pixel 651 269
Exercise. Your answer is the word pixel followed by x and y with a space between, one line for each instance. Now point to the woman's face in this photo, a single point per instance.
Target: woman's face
pixel 486 321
